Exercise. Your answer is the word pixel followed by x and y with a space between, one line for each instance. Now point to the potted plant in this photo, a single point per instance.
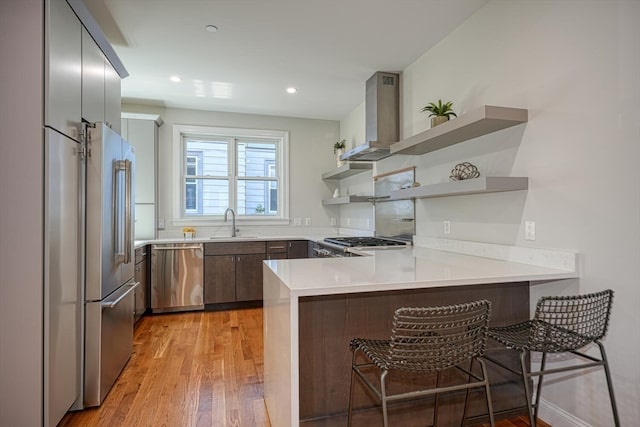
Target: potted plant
pixel 338 150
pixel 440 112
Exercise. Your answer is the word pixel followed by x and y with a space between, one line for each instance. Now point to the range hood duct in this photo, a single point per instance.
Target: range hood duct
pixel 382 118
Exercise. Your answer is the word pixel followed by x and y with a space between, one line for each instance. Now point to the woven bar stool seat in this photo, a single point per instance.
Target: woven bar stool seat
pixel 427 341
pixel 560 324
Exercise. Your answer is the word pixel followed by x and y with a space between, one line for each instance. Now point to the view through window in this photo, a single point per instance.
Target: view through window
pixel 222 171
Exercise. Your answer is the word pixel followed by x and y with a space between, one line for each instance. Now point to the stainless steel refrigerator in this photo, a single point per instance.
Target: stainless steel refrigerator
pixel 109 282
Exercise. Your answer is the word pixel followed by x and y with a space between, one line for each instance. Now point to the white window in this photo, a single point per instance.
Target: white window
pixel 217 168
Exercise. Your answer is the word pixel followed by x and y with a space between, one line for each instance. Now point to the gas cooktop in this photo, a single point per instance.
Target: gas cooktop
pixel 364 241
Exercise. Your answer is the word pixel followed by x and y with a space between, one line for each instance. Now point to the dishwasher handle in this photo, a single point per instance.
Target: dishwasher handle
pixel 174 248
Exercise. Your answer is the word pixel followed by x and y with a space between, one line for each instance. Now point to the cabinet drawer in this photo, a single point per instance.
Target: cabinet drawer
pixel 276 246
pixel 234 248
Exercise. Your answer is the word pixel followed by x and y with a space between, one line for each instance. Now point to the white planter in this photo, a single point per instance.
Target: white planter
pixel 339 152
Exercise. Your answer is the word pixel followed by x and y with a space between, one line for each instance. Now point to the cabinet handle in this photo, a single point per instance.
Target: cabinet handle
pixel 276 247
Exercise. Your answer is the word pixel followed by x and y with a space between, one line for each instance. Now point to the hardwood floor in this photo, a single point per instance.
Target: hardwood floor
pixel 193 369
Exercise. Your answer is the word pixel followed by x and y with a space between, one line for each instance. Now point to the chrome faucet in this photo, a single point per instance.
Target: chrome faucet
pixel 233 221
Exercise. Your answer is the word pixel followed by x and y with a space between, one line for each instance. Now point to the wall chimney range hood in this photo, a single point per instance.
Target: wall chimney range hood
pixel 382 118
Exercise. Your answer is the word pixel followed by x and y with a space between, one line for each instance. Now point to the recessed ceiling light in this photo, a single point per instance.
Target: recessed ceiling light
pixel 211 28
pixel 176 79
pixel 291 90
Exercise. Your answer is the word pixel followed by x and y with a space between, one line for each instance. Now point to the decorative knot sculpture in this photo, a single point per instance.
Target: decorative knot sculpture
pixel 464 171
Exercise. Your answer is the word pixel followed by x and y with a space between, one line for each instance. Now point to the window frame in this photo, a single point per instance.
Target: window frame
pixel 280 138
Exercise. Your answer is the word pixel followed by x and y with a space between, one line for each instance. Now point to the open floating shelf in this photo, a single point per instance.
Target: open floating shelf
pixel 346 170
pixel 346 199
pixel 489 184
pixel 478 122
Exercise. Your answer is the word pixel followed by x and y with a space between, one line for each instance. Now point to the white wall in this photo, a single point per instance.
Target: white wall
pixel 575 67
pixel 21 215
pixel 310 154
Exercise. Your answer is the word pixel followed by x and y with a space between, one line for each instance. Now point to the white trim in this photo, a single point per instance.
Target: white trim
pixel 558 417
pixel 143 116
pixel 282 154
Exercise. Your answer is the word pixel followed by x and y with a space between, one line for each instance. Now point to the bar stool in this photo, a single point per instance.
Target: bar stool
pixel 560 324
pixel 427 341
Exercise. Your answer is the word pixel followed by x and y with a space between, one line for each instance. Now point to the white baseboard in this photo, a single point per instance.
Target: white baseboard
pixel 558 417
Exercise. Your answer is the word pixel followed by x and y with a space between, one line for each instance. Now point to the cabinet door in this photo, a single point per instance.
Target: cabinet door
pixel 249 277
pixel 140 295
pixel 219 279
pixel 92 79
pixel 63 76
pixel 298 249
pixel 112 97
pixel 141 134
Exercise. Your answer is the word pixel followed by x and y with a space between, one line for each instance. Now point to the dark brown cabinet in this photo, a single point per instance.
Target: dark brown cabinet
pixel 297 249
pixel 219 279
pixel 249 277
pixel 141 276
pixel 233 272
pixel 277 249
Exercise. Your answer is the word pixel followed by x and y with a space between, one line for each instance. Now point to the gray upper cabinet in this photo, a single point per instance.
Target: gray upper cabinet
pixel 63 79
pixel 142 134
pixel 92 79
pixel 112 97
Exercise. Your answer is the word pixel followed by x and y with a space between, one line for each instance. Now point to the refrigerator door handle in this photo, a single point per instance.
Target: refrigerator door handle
pixel 118 167
pixel 112 304
pixel 128 211
pixel 123 210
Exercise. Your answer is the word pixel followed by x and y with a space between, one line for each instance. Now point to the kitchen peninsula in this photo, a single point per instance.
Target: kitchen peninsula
pixel 313 307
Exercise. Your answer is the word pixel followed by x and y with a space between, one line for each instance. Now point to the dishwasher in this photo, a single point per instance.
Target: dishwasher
pixel 177 276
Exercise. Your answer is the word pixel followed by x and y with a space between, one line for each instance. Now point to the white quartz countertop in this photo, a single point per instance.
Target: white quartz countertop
pixel 395 269
pixel 140 243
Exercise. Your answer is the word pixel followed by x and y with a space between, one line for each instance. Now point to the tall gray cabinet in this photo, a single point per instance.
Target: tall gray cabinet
pixel 142 132
pixel 41 109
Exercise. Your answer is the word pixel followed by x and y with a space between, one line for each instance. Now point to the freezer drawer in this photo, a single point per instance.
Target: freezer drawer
pixel 109 341
pixel 177 275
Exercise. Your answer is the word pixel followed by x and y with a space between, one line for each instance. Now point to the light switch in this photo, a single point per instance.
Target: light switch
pixel 307 221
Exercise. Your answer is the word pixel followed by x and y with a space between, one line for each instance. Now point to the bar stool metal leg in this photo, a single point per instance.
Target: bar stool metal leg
pixel 436 402
pixel 607 373
pixel 383 398
pixel 353 374
pixel 487 391
pixel 539 387
pixel 527 389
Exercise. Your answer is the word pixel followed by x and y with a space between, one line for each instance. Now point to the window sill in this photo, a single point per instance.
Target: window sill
pixel 209 222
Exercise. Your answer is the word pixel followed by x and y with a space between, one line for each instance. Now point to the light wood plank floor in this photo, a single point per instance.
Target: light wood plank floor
pixel 193 369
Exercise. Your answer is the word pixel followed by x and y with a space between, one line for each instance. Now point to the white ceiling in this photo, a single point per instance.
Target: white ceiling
pixel 325 48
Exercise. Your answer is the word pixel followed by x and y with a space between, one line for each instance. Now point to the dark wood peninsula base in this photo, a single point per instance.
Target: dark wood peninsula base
pixel 328 323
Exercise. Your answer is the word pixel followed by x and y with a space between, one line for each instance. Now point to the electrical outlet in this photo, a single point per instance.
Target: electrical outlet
pixel 161 224
pixel 530 230
pixel 297 222
pixel 348 221
pixel 447 226
pixel 334 221
pixel 307 221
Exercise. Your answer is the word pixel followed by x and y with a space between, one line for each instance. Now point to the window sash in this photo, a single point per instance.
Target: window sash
pixel 274 186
